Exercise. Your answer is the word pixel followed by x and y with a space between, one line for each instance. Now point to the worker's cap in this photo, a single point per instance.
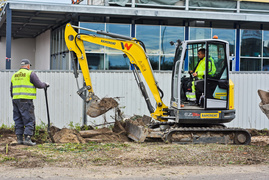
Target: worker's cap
pixel 25 62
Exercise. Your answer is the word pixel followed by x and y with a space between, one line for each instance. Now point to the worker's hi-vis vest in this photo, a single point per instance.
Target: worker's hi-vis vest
pixel 22 87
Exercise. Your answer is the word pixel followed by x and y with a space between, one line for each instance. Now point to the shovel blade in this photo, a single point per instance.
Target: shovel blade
pixel 96 107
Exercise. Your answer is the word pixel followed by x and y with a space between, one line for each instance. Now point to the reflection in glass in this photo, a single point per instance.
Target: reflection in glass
pixel 216 53
pixel 122 29
pixel 154 61
pixel 117 62
pixel 167 62
pixel 200 33
pixel 251 43
pixel 227 35
pixel 95 61
pixel 150 36
pixel 90 47
pixel 250 64
pixel 168 34
pixel 265 43
pixel 265 65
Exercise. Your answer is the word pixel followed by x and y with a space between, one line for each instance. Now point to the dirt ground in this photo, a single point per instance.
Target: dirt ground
pixel 108 154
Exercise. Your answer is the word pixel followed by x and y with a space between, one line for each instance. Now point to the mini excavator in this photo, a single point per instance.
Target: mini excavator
pixel 182 122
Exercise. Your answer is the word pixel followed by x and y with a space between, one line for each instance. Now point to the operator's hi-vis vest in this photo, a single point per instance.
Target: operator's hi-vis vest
pixel 22 87
pixel 200 70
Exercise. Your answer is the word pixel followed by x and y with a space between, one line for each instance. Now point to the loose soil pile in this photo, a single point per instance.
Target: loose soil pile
pixel 116 134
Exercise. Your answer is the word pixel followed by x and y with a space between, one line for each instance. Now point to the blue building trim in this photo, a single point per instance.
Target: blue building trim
pixel 133 30
pixel 186 38
pixel 8 36
pixel 237 49
pixel 186 32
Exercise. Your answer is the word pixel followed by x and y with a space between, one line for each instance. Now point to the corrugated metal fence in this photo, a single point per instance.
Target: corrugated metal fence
pixel 66 106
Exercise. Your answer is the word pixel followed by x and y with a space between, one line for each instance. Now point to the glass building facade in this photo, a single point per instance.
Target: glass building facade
pixel 251 52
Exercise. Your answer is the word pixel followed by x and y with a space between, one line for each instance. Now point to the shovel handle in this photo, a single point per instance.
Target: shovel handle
pixel 47 106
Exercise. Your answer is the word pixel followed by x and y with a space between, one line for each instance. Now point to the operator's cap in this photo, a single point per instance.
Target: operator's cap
pixel 25 62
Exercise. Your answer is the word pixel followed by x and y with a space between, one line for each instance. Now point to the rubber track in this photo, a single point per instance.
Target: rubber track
pixel 206 130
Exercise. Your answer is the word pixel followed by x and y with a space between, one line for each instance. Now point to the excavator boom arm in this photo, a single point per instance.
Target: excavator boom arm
pixel 130 46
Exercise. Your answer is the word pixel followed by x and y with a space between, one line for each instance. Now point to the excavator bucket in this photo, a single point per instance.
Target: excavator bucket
pixel 96 107
pixel 137 129
pixel 264 104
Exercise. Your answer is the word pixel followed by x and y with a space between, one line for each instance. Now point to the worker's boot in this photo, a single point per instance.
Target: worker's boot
pixel 19 138
pixel 28 141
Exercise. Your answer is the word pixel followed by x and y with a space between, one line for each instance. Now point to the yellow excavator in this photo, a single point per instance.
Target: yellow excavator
pixel 184 121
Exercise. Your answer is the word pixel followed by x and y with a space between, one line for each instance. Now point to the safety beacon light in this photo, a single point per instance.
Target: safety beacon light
pixel 215 37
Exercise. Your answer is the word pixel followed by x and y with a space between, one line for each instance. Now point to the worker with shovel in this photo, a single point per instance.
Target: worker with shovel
pixel 23 90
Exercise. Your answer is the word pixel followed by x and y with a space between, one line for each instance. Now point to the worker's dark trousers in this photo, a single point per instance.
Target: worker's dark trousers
pixel 23 115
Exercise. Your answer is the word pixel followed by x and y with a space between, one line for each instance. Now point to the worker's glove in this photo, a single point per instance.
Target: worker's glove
pixel 47 84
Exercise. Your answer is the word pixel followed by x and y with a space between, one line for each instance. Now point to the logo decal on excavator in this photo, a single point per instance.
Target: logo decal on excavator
pixel 209 115
pixel 108 42
pixel 126 45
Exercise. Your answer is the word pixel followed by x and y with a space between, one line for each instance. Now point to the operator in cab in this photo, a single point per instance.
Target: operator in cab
pixel 198 74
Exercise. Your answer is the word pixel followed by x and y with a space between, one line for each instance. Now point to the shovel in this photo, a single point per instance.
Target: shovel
pixel 46 97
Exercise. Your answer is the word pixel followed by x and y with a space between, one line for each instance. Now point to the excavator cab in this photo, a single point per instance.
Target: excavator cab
pixel 210 89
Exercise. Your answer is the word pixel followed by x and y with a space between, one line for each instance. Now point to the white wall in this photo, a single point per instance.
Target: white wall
pixel 2 53
pixel 22 48
pixel 42 53
pixel 37 50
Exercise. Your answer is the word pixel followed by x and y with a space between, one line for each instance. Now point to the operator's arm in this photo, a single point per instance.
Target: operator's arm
pixel 35 80
pixel 200 70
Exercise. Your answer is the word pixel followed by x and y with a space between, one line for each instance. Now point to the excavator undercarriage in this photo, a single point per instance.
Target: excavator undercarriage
pixel 172 132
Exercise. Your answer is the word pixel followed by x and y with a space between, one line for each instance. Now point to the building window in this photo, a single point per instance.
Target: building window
pixel 250 64
pixel 106 58
pixel 227 35
pixel 95 61
pixel 265 65
pixel 117 62
pixel 200 33
pixel 208 33
pixel 157 41
pixel 251 50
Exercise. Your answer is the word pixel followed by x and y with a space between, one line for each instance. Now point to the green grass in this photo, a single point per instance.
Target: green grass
pixel 76 126
pixel 4 158
pixel 12 127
